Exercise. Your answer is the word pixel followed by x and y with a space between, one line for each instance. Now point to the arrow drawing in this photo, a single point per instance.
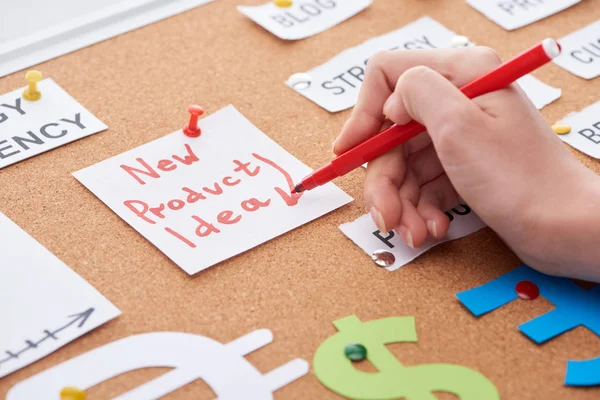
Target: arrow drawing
pixel 79 318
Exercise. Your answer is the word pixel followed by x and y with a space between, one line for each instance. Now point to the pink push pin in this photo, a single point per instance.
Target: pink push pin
pixel 192 129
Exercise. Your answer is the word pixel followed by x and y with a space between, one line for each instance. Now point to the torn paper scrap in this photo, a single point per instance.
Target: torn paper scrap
pixel 581 52
pixel 335 84
pixel 203 200
pixel 513 14
pixel 585 130
pixel 365 235
pixel 29 128
pixel 304 18
pixel 45 304
pixel 538 92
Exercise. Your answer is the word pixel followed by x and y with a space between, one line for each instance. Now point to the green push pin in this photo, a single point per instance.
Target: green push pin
pixel 355 351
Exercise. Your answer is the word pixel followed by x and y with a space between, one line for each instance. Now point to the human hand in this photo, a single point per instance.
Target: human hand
pixel 496 152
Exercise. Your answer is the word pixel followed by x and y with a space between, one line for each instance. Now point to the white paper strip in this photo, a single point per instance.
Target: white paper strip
pixel 335 84
pixel 303 18
pixel 585 130
pixel 513 14
pixel 581 52
pixel 221 366
pixel 29 128
pixel 365 235
pixel 43 303
pixel 40 30
pixel 538 92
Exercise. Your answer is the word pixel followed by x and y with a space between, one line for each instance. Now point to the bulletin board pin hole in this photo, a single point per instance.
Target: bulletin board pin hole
pixel 383 258
pixel 300 81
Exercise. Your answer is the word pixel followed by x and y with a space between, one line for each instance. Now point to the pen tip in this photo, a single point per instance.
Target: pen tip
pixel 299 188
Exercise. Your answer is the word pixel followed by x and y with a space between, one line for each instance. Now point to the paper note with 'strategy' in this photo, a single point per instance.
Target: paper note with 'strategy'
pixel 303 18
pixel 513 14
pixel 335 84
pixel 43 303
pixel 581 52
pixel 29 128
pixel 364 233
pixel 203 200
pixel 585 130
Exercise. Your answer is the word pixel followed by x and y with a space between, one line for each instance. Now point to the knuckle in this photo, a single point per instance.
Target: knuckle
pixel 488 54
pixel 378 60
pixel 412 76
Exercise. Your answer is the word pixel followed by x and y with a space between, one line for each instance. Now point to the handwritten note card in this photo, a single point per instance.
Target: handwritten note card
pixel 303 18
pixel 203 200
pixel 43 303
pixel 585 130
pixel 365 235
pixel 513 14
pixel 29 128
pixel 581 52
pixel 335 84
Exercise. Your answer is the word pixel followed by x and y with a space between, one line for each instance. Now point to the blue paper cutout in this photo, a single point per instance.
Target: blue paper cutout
pixel 575 306
pixel 583 373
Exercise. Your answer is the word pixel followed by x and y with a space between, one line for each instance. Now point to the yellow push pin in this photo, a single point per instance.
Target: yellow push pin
pixel 31 92
pixel 72 393
pixel 561 129
pixel 283 3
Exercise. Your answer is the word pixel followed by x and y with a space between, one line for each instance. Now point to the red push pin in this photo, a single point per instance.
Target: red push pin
pixel 527 290
pixel 192 129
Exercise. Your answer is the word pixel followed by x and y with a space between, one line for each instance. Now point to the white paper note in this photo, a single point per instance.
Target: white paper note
pixel 203 200
pixel 335 84
pixel 538 92
pixel 303 18
pixel 221 366
pixel 513 14
pixel 585 130
pixel 57 27
pixel 29 128
pixel 581 52
pixel 43 303
pixel 365 235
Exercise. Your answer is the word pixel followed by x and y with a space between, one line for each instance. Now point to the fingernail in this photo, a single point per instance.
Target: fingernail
pixel 406 235
pixel 378 219
pixel 333 146
pixel 389 106
pixel 432 226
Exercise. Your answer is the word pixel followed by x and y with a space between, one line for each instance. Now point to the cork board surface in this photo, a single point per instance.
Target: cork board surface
pixel 140 84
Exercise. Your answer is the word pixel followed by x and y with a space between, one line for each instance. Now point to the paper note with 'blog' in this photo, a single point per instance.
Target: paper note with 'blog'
pixel 203 200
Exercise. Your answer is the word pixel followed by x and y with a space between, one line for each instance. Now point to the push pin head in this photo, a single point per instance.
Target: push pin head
pixel 192 129
pixel 31 92
pixel 283 3
pixel 72 393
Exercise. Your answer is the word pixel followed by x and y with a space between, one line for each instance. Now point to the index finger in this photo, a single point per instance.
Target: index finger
pixel 385 68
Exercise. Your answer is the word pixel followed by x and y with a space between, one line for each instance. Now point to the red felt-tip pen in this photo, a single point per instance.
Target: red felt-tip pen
pixel 499 78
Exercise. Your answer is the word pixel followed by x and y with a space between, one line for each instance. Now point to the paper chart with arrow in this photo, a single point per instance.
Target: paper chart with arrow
pixel 44 304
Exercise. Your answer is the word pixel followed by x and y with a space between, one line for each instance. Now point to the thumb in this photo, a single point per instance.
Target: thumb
pixel 433 101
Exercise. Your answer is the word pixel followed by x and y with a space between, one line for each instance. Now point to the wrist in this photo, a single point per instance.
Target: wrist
pixel 567 233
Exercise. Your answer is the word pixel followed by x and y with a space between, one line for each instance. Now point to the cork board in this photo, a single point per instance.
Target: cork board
pixel 140 84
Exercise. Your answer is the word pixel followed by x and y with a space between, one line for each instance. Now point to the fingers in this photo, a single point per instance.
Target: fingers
pixel 436 196
pixel 436 103
pixel 384 177
pixel 383 72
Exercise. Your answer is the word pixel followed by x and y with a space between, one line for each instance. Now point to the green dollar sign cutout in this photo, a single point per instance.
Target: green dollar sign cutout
pixel 393 381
